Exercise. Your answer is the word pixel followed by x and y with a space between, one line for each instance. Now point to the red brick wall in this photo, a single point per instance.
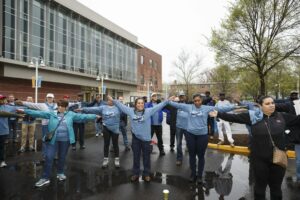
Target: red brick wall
pixel 148 71
pixel 22 88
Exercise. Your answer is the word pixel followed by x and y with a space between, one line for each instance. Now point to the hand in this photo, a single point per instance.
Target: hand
pixel 20 110
pixel 18 103
pixel 213 113
pixel 78 110
pixel 109 98
pixel 172 98
pixel 98 117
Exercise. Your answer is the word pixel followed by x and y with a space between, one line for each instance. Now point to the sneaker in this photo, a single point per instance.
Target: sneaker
pixel 105 163
pixel 97 134
pixel 147 178
pixel 31 148
pixel 42 182
pixel 134 178
pixel 22 150
pixel 199 180
pixel 162 153
pixel 178 162
pixel 101 134
pixel 232 145
pixel 193 179
pixel 117 162
pixel 220 143
pixel 74 148
pixel 82 147
pixel 15 141
pixel 3 164
pixel 172 149
pixel 61 177
pixel 127 148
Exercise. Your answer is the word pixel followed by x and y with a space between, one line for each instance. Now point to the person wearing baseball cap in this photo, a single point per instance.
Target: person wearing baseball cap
pixel 66 97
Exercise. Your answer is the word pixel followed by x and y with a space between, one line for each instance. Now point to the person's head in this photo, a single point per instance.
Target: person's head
pixel 222 96
pixel 79 97
pixel 182 97
pixel 121 99
pixel 2 99
pixel 50 98
pixel 98 97
pixel 62 105
pixel 267 105
pixel 154 97
pixel 29 99
pixel 139 104
pixel 197 98
pixel 207 93
pixel 294 95
pixel 11 98
pixel 110 102
pixel 145 99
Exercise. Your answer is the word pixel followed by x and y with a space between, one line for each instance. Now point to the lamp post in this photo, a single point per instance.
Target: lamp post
pixel 35 62
pixel 101 77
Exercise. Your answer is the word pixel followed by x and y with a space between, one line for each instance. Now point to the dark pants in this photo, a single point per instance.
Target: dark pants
pixel 267 173
pixel 197 145
pixel 107 134
pixel 78 128
pixel 62 150
pixel 12 124
pixel 138 147
pixel 172 136
pixel 179 135
pixel 2 147
pixel 157 129
pixel 211 126
pixel 124 132
pixel 44 132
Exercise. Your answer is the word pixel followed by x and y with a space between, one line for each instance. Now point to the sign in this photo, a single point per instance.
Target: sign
pixel 39 82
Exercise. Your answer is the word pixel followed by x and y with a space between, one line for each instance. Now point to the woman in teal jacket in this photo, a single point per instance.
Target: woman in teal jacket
pixel 62 125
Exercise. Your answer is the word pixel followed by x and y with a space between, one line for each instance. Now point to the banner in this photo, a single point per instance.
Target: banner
pixel 39 82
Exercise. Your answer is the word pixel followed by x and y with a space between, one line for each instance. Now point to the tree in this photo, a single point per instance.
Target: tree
pixel 258 35
pixel 187 69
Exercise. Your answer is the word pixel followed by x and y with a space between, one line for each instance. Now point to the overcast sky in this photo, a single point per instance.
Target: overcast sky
pixel 167 26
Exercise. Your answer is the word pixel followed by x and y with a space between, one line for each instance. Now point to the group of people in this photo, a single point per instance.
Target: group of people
pixel 193 121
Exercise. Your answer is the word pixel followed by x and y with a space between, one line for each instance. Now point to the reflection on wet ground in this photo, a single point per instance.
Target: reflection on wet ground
pixel 226 177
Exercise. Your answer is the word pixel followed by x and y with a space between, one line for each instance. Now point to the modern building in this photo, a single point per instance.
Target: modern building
pixel 76 45
pixel 149 73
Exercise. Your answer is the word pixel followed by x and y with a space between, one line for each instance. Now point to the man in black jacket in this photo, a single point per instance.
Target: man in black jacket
pixel 123 124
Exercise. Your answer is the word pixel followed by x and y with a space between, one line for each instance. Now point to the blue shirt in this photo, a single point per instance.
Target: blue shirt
pixel 182 119
pixel 110 116
pixel 62 133
pixel 4 130
pixel 197 117
pixel 140 121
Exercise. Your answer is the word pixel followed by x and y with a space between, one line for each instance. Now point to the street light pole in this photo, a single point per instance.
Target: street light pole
pixel 36 65
pixel 101 78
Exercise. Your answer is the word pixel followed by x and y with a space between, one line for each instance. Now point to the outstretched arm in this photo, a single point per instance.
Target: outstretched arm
pixel 157 107
pixel 242 118
pixel 93 110
pixel 182 106
pixel 37 113
pixel 122 107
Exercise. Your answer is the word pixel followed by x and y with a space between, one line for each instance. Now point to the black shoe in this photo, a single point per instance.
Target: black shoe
pixel 172 149
pixel 127 148
pixel 73 148
pixel 162 153
pixel 199 181
pixel 193 179
pixel 82 147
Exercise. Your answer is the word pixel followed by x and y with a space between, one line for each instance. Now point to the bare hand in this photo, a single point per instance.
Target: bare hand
pixel 78 110
pixel 172 98
pixel 98 117
pixel 20 110
pixel 213 113
pixel 18 103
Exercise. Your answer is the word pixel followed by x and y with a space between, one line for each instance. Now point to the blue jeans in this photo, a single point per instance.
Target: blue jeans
pixel 44 132
pixel 62 149
pixel 98 127
pixel 124 132
pixel 12 124
pixel 139 146
pixel 297 150
pixel 197 145
pixel 179 135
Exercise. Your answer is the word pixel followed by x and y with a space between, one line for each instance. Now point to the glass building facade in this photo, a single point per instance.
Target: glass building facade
pixel 65 40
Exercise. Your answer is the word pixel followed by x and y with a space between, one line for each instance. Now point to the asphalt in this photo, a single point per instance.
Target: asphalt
pixel 87 180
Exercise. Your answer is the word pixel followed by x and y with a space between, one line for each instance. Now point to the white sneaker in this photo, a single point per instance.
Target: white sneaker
pixel 105 163
pixel 61 177
pixel 42 182
pixel 3 164
pixel 117 162
pixel 97 134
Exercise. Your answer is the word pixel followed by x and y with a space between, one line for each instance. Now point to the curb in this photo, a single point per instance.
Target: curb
pixel 240 149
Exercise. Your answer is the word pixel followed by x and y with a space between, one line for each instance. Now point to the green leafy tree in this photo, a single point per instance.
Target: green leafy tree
pixel 258 35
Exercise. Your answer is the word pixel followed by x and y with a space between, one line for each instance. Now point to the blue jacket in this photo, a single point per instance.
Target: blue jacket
pixel 197 117
pixel 53 120
pixel 110 116
pixel 140 121
pixel 4 130
pixel 159 113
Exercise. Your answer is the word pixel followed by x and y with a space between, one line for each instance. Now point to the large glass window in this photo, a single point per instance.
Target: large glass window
pixel 9 29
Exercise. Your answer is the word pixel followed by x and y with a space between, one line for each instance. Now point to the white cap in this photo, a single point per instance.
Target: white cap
pixel 153 94
pixel 50 95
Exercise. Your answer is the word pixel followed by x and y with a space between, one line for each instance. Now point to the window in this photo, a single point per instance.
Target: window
pixel 150 63
pixel 142 60
pixel 142 79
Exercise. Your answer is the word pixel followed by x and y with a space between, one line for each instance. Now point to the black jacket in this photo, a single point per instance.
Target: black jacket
pixel 171 115
pixel 261 146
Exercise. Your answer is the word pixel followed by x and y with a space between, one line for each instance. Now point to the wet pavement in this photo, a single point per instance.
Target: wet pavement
pixel 226 177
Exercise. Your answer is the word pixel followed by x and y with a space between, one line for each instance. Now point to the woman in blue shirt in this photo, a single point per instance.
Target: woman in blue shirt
pixel 140 121
pixel 62 123
pixel 111 128
pixel 196 135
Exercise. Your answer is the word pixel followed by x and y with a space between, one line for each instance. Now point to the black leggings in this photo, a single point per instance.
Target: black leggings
pixel 267 173
pixel 107 134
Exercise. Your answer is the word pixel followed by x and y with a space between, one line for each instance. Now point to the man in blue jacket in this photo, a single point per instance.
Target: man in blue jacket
pixel 156 123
